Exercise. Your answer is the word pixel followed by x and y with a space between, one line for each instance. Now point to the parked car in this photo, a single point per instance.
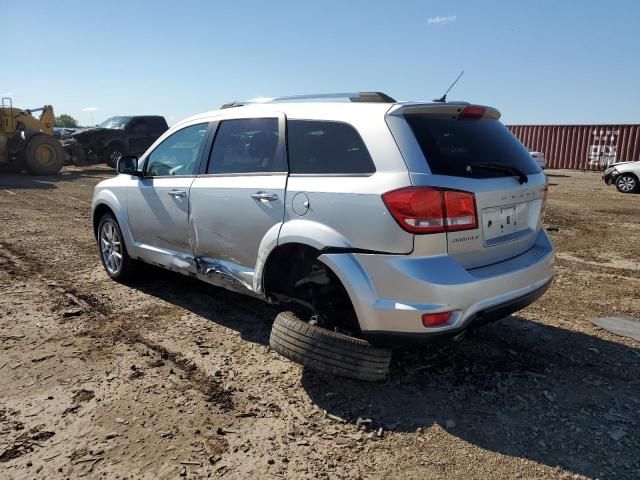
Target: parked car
pixel 62 133
pixel 377 222
pixel 538 157
pixel 624 175
pixel 113 138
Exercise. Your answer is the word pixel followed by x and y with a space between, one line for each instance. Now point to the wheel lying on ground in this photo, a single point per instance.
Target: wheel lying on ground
pixel 113 252
pixel 44 155
pixel 627 183
pixel 326 351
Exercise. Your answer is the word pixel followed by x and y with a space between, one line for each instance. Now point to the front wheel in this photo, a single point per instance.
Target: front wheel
pixel 113 252
pixel 44 155
pixel 627 183
pixel 113 154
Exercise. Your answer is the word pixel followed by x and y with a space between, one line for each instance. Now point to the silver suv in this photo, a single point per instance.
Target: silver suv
pixel 384 221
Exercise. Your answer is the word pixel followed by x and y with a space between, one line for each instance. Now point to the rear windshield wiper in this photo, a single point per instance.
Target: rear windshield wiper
pixel 516 172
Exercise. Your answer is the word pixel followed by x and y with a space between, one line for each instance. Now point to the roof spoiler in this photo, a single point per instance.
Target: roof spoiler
pixel 436 108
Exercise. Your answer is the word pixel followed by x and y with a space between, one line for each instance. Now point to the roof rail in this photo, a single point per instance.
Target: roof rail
pixel 364 97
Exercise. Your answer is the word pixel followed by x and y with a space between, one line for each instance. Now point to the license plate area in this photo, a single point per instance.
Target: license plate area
pixel 504 223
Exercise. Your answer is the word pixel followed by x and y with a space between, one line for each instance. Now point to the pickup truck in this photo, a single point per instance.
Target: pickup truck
pixel 113 138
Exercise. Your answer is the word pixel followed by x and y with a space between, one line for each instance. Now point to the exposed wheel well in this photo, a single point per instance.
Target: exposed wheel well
pixel 97 215
pixel 293 273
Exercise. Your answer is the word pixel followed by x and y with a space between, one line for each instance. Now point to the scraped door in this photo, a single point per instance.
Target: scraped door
pixel 239 198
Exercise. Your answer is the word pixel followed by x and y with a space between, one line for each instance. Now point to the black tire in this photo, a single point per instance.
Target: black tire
pixel 44 155
pixel 326 351
pixel 627 183
pixel 128 266
pixel 113 153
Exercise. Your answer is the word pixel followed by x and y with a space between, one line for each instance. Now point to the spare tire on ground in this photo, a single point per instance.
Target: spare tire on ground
pixel 326 351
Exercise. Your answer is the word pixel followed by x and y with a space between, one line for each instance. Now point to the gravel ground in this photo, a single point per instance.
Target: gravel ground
pixel 168 377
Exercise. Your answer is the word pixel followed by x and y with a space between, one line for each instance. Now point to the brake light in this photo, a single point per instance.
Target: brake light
pixel 432 210
pixel 460 210
pixel 545 195
pixel 435 319
pixel 472 112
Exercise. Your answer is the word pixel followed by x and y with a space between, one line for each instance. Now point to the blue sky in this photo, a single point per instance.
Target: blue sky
pixel 539 61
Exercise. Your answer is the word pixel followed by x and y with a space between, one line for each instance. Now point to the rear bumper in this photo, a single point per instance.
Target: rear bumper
pixel 390 293
pixel 488 315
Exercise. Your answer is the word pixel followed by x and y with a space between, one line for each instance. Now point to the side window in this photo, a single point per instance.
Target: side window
pixel 318 147
pixel 178 153
pixel 137 125
pixel 247 145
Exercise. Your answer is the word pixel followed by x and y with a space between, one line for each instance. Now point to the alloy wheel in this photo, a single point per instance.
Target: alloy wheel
pixel 115 156
pixel 627 184
pixel 111 247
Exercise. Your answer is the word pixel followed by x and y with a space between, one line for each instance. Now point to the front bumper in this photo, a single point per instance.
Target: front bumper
pixel 610 178
pixel 390 293
pixel 79 153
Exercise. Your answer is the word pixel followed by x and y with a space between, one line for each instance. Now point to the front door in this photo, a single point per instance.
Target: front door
pixel 158 206
pixel 239 198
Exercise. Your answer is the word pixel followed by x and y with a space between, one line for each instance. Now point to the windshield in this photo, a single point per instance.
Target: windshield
pixel 117 123
pixel 453 146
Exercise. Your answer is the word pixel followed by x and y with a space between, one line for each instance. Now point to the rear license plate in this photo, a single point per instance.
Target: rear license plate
pixel 501 221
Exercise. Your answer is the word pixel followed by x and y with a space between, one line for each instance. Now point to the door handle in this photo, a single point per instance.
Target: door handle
pixel 265 196
pixel 178 194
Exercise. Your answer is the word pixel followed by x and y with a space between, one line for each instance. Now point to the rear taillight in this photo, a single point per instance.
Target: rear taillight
pixel 545 195
pixel 460 209
pixel 432 210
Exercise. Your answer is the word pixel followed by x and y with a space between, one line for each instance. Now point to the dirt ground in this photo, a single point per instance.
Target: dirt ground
pixel 171 378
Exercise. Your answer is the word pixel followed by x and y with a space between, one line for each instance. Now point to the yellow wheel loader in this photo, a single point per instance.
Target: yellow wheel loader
pixel 27 142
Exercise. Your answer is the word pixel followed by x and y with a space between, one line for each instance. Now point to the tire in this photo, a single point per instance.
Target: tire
pixel 327 351
pixel 627 183
pixel 44 155
pixel 125 270
pixel 113 153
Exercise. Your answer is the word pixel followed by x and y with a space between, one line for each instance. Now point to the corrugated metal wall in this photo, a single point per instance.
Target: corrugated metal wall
pixel 584 147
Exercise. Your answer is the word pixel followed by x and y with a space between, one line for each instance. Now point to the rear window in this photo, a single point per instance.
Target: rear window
pixel 157 124
pixel 317 147
pixel 452 146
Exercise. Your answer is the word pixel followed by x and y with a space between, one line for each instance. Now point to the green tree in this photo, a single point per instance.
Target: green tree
pixel 66 121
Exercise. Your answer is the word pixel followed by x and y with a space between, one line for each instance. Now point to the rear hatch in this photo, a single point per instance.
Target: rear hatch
pixel 466 148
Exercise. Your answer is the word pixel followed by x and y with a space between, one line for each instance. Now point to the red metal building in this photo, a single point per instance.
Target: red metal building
pixel 584 147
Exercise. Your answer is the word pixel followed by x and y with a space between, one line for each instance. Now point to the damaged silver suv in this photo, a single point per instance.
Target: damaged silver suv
pixel 377 222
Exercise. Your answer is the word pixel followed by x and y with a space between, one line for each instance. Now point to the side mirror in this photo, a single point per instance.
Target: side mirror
pixel 128 165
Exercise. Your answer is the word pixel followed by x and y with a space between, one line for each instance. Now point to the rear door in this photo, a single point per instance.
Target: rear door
pixel 239 197
pixel 476 153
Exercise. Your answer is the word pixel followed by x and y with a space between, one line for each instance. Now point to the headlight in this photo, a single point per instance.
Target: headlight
pixel 609 170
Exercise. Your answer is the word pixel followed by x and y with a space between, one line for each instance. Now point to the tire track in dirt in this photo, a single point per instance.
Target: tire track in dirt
pixel 122 328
